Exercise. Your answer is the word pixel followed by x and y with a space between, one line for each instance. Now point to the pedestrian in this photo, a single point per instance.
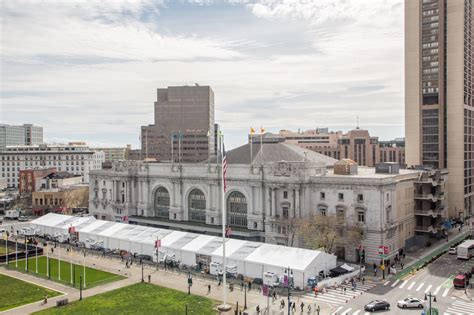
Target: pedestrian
pixel 209 288
pixel 241 286
pixel 219 279
pixel 302 307
pixel 282 304
pixel 363 280
pixel 52 250
pixel 375 266
pixel 250 285
pixel 258 309
pixel 274 296
pixel 149 278
pixel 45 298
pixel 293 307
pixel 309 308
pixel 375 272
pixel 402 264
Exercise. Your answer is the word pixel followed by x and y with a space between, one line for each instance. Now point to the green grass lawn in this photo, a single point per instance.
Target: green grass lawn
pixel 16 293
pixel 138 299
pixel 94 277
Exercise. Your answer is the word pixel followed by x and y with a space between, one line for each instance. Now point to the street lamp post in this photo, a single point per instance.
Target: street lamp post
pixel 245 296
pixel 141 262
pixel 190 283
pixel 429 295
pixel 289 288
pixel 80 288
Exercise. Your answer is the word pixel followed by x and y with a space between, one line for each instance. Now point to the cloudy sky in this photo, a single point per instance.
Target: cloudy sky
pixel 88 70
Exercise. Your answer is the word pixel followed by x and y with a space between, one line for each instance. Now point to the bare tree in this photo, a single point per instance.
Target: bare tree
pixel 325 232
pixel 77 197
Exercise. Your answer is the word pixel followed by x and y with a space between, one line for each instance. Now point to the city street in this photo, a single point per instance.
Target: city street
pixel 435 278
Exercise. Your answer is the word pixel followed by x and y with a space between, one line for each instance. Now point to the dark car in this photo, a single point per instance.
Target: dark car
pixel 144 257
pixel 377 305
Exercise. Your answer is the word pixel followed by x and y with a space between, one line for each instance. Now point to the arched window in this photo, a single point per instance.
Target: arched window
pixel 197 206
pixel 162 203
pixel 237 209
pixel 322 210
pixel 341 213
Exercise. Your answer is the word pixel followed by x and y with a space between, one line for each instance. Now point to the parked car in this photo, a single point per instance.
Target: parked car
pixel 377 305
pixel 144 257
pixel 23 218
pixel 453 251
pixel 411 302
pixel 257 281
pixel 460 281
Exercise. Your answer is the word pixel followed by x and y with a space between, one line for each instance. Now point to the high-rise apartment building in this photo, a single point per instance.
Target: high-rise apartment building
pixel 184 125
pixel 439 99
pixel 26 134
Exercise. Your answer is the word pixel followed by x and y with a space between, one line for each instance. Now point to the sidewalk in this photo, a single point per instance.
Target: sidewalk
pixel 169 279
pixel 416 259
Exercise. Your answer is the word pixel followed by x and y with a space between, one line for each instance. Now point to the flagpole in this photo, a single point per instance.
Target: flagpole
pixel 16 251
pixel 172 145
pixel 36 253
pixel 84 268
pixel 261 145
pixel 47 260
pixel 6 246
pixel 179 146
pixel 59 264
pixel 223 221
pixel 251 147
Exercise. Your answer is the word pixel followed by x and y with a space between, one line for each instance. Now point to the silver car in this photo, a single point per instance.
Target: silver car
pixel 411 302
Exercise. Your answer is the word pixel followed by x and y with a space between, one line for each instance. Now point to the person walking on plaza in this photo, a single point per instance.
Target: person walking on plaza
pixel 258 309
pixel 293 307
pixel 282 304
pixel 149 278
pixel 45 299
pixel 209 288
pixel 302 307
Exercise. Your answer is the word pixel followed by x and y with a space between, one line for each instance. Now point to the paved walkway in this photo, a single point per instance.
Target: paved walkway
pixel 169 279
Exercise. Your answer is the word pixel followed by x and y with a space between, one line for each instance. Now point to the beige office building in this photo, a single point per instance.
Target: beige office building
pixel 439 101
pixel 184 116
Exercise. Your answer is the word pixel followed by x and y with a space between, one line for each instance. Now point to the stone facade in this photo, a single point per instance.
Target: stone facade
pixel 268 194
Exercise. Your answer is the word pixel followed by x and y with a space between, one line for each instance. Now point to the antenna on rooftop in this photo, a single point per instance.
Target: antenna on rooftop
pixel 357 122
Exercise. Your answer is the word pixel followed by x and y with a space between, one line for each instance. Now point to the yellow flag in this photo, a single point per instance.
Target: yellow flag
pixel 252 130
pixel 262 130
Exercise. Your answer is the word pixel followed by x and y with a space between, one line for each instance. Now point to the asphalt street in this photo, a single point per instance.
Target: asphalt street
pixel 436 278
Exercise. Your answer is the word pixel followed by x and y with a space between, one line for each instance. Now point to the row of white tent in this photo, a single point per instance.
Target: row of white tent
pixel 251 259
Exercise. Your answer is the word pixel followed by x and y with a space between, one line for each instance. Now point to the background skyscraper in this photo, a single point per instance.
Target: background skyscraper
pixel 184 115
pixel 439 100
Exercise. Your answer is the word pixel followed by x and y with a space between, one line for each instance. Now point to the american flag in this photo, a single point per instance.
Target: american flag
pixel 224 167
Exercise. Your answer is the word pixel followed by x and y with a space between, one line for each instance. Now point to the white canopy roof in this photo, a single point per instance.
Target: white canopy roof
pixel 178 241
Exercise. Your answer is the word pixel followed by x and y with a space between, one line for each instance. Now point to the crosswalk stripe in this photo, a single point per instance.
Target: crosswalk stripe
pixel 337 310
pixel 445 292
pixel 428 288
pixel 386 283
pixel 403 284
pixel 467 304
pixel 395 283
pixel 346 311
pixel 437 290
pixel 335 300
pixel 419 287
pixel 356 312
pixel 411 285
pixel 460 310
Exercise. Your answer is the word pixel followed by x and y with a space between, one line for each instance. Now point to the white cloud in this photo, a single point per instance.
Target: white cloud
pixel 58 67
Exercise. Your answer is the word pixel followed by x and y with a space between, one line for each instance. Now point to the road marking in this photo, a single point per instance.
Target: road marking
pixel 395 283
pixel 428 288
pixel 411 285
pixel 347 311
pixel 337 310
pixel 403 284
pixel 445 292
pixel 356 312
pixel 437 290
pixel 420 286
pixel 386 283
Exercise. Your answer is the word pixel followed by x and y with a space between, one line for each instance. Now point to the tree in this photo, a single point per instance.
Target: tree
pixel 328 231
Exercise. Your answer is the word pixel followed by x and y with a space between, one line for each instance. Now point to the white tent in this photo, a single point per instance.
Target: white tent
pixel 250 259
